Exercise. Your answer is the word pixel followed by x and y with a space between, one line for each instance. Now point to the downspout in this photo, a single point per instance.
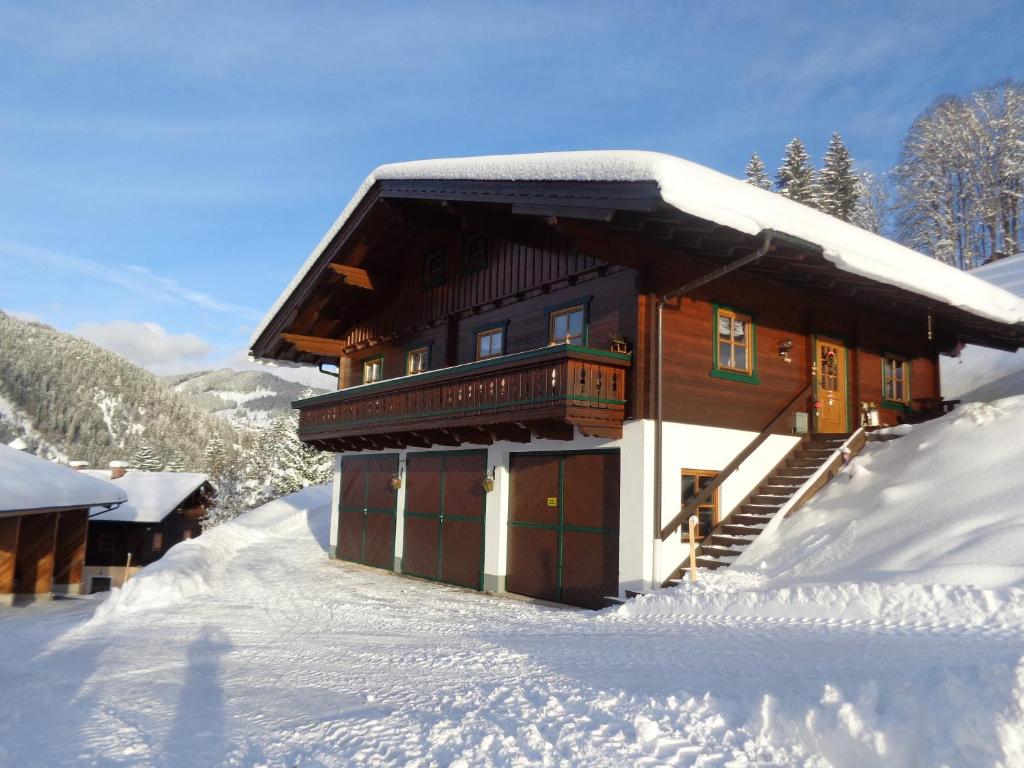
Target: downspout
pixel 659 422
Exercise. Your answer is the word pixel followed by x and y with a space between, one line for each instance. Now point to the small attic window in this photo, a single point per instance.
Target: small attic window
pixel 433 270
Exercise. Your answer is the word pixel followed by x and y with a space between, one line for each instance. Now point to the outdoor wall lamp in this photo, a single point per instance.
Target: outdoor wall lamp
pixel 785 348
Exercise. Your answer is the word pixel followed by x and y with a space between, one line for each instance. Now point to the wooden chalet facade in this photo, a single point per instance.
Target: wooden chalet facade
pixel 528 402
pixel 44 513
pixel 163 509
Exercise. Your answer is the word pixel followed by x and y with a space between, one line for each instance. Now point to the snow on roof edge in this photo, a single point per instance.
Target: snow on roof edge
pixel 707 194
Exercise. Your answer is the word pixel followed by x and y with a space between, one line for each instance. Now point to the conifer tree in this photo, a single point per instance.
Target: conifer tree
pixel 757 173
pixel 176 463
pixel 838 184
pixel 795 178
pixel 144 458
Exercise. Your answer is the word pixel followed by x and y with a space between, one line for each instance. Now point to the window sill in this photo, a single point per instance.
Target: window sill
pixel 744 378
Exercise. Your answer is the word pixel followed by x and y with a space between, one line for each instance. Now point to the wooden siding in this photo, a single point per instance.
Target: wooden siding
pixel 34 568
pixel 780 312
pixel 511 270
pixel 70 547
pixel 8 552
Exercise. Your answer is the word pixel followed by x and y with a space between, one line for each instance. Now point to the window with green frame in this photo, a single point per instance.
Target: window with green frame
pixel 373 370
pixel 895 381
pixel 735 345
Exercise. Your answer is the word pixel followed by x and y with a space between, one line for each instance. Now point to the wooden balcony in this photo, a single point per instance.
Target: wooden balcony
pixel 540 393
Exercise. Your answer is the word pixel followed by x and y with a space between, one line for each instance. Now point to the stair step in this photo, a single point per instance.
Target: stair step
pixel 770 499
pixel 793 472
pixel 804 463
pixel 779 490
pixel 840 436
pixel 738 529
pixel 718 552
pixel 759 508
pixel 742 518
pixel 710 564
pixel 728 540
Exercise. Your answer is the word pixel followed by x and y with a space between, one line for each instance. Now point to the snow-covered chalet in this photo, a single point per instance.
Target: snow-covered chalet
pixel 44 514
pixel 547 363
pixel 162 509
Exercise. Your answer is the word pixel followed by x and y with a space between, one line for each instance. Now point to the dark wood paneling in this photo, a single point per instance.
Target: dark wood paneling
pixel 70 553
pixel 350 535
pixel 463 483
pixel 34 568
pixel 419 548
pixel 591 482
pixel 462 552
pixel 423 491
pixel 366 516
pixel 8 552
pixel 533 562
pixel 534 480
pixel 379 540
pixel 590 570
pixel 445 546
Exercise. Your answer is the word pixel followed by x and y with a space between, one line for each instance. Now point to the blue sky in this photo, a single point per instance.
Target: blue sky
pixel 165 167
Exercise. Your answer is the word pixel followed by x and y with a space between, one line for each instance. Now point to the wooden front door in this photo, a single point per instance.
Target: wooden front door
pixel 832 386
pixel 563 541
pixel 444 517
pixel 366 513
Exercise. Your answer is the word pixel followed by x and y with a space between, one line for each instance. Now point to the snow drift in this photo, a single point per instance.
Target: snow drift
pixel 188 567
pixel 926 529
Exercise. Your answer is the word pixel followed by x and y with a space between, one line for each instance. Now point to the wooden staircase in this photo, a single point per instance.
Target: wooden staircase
pixel 790 483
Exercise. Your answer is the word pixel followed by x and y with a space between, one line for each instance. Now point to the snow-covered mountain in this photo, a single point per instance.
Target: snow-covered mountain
pixel 247 399
pixel 70 399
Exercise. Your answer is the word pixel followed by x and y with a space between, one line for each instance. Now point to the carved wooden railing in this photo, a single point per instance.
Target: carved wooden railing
pixel 691 506
pixel 558 377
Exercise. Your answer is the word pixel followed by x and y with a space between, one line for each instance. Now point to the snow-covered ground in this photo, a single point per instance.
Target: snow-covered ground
pixel 883 625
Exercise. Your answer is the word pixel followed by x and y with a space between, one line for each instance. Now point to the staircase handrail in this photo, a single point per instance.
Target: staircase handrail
pixel 702 498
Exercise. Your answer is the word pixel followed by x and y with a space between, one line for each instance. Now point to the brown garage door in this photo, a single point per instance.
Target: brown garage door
pixel 563 539
pixel 444 517
pixel 366 513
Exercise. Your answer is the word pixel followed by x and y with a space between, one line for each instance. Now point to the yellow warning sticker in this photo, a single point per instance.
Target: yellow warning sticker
pixel 552 501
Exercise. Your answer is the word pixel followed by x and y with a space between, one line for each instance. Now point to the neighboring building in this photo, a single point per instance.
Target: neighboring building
pixel 548 362
pixel 163 508
pixel 44 511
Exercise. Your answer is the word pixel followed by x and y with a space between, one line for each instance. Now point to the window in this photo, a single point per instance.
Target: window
pixel 735 349
pixel 490 343
pixel 565 326
pixel 474 254
pixel 417 360
pixel 433 269
pixel 895 380
pixel 158 541
pixel 373 370
pixel 694 481
pixel 106 543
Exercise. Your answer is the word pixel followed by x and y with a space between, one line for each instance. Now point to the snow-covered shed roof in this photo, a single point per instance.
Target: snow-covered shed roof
pixel 31 484
pixel 707 194
pixel 1007 273
pixel 151 495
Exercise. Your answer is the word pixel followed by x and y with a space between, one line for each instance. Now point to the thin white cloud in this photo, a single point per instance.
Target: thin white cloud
pixel 148 345
pixel 134 278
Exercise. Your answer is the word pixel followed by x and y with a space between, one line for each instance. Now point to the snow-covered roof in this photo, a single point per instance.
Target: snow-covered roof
pixel 28 482
pixel 1007 273
pixel 151 495
pixel 713 196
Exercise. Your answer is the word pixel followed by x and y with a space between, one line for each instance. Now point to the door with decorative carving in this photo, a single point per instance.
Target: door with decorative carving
pixel 831 397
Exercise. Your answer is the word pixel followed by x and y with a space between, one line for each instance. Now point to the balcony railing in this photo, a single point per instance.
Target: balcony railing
pixel 546 392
